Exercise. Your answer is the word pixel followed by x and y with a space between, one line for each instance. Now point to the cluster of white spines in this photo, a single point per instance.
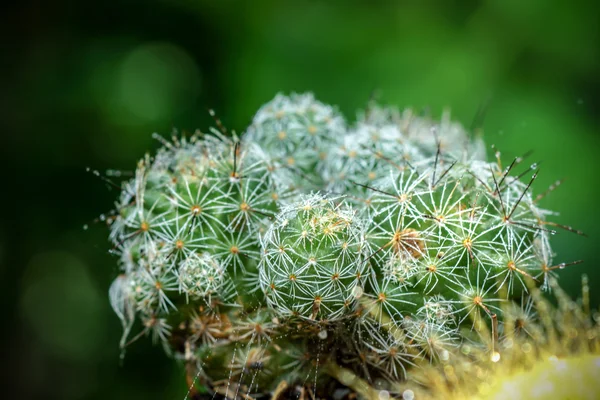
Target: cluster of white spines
pixel 200 276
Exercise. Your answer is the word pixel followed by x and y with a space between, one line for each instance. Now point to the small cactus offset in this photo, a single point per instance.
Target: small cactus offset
pixel 311 258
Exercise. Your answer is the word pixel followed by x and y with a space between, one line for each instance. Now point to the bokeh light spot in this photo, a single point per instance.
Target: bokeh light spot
pixel 155 81
pixel 63 307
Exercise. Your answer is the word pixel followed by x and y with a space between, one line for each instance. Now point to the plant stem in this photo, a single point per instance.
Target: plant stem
pixel 351 380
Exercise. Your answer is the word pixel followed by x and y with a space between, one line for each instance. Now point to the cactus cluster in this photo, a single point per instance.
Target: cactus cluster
pixel 307 246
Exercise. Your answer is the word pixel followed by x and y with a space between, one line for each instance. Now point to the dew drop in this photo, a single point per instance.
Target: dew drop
pixel 495 357
pixel 357 292
pixel 114 172
pixel 384 395
pixel 533 166
pixel 380 383
pixel 408 395
pixel 85 227
pixel 322 334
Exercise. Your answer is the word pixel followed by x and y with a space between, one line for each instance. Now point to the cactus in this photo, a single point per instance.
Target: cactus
pixel 308 258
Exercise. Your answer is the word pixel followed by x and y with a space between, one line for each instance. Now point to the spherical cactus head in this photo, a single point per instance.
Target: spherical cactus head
pixel 365 155
pixel 297 132
pixel 313 259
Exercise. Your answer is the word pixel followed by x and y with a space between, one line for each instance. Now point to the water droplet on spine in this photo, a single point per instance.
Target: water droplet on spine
pixel 408 395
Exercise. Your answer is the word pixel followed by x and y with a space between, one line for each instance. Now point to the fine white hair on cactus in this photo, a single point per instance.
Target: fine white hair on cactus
pixel 513 263
pixel 436 310
pixel 200 276
pixel 474 299
pixel 389 299
pixel 431 270
pixel 120 301
pixel 151 287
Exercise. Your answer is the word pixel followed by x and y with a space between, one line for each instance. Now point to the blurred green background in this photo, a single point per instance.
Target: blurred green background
pixel 84 84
